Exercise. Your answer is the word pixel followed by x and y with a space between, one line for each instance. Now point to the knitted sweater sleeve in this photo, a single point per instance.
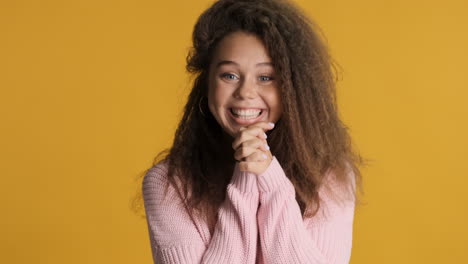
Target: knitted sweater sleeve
pixel 177 238
pixel 286 238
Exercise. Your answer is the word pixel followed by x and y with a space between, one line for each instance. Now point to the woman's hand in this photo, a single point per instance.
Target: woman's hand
pixel 251 148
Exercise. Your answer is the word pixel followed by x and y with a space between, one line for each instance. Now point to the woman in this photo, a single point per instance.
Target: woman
pixel 261 169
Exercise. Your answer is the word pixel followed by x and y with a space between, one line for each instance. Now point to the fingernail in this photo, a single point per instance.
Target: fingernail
pixel 267 147
pixel 264 135
pixel 264 156
pixel 271 124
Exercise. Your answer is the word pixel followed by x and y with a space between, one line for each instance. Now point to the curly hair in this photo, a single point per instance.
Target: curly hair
pixel 309 140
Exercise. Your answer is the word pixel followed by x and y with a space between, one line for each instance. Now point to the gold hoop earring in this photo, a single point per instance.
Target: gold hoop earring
pixel 200 107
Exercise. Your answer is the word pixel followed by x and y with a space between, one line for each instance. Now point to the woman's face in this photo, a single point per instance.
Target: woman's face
pixel 242 87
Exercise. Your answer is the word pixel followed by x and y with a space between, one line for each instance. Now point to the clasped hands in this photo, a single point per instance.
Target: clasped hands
pixel 251 148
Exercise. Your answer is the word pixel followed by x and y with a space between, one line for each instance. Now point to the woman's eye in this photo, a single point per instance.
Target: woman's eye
pixel 266 78
pixel 229 76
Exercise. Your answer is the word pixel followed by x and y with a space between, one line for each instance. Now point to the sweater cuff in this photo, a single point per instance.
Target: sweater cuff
pixel 245 182
pixel 274 178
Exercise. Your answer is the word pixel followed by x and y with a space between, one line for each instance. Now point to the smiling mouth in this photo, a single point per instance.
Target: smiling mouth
pixel 246 113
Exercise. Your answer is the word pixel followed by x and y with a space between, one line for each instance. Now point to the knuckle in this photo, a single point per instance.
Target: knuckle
pixel 233 145
pixel 258 156
pixel 242 137
pixel 260 143
pixel 237 155
pixel 243 152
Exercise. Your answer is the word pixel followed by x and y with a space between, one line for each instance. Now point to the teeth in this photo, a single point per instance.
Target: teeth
pixel 246 113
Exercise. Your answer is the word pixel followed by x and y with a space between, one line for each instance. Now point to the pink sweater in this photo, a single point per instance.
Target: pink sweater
pixel 259 222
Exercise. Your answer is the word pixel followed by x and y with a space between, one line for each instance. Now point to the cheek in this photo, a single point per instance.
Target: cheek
pixel 220 96
pixel 217 100
pixel 275 105
pixel 273 100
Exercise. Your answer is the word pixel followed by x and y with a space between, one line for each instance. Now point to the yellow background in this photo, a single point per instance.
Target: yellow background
pixel 91 91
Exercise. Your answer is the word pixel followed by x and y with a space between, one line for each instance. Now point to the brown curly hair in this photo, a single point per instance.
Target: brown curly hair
pixel 309 140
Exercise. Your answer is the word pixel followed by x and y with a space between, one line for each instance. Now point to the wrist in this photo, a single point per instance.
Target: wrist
pixel 244 181
pixel 274 178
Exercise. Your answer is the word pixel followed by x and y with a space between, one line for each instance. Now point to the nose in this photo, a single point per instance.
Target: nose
pixel 246 90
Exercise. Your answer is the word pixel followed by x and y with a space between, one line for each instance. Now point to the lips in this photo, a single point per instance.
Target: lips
pixel 246 116
pixel 246 113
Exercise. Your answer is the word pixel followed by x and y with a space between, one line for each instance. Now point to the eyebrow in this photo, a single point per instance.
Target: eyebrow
pixel 227 62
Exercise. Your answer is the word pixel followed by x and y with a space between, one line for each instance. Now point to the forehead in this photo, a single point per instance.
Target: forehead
pixel 241 47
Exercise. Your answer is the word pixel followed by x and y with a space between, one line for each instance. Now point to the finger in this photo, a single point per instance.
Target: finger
pixel 264 125
pixel 247 134
pixel 255 143
pixel 246 166
pixel 253 146
pixel 256 156
pixel 254 129
pixel 244 152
